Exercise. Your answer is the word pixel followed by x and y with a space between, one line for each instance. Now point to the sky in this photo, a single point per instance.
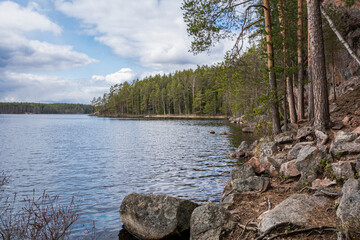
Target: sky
pixel 72 51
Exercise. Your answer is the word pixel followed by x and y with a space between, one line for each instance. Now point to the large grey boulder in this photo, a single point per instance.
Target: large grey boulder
pixel 293 153
pixel 303 132
pixel 271 166
pixel 151 216
pixel 349 208
pixel 307 161
pixel 250 184
pixel 295 209
pixel 267 149
pixel 282 138
pixel 210 222
pixel 343 169
pixel 289 169
pixel 345 143
pixel 242 172
pixel 321 137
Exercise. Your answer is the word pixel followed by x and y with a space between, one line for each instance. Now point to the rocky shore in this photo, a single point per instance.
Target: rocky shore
pixel 300 184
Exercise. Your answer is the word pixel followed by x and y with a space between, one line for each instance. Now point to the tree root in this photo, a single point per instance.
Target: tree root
pixel 295 232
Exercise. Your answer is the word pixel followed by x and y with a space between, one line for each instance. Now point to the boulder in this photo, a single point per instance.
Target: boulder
pixel 242 172
pixel 267 149
pixel 255 163
pixel 293 153
pixel 243 147
pixel 295 209
pixel 356 130
pixel 210 222
pixel 151 216
pixel 248 129
pixel 271 165
pixel 225 133
pixel 342 169
pixel 322 183
pixel 212 132
pixel 321 137
pixel 308 159
pixel 237 155
pixel 253 145
pixel 284 138
pixel 280 158
pixel 289 169
pixel 337 126
pixel 349 206
pixel 250 184
pixel 345 143
pixel 342 137
pixel 303 132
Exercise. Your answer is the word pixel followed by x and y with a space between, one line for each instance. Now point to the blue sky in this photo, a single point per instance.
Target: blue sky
pixel 74 50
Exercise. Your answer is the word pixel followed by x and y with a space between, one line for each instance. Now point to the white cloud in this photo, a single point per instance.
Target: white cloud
pixel 19 52
pixel 25 87
pixel 16 18
pixel 151 31
pixel 124 75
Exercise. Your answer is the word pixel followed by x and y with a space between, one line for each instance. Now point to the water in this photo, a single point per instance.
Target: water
pixel 101 160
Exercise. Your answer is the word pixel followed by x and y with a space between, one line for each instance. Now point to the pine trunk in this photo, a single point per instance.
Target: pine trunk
pixel 318 68
pixel 311 91
pixel 272 79
pixel 283 33
pixel 300 43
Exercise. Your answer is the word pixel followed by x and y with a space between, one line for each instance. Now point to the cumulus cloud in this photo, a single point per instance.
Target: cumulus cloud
pixel 19 52
pixel 25 87
pixel 16 18
pixel 151 31
pixel 124 75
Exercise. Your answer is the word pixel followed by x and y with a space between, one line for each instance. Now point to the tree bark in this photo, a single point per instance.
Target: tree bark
pixel 272 78
pixel 311 91
pixel 318 68
pixel 300 44
pixel 283 33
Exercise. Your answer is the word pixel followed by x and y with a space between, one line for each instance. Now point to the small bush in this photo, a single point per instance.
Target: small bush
pixel 40 218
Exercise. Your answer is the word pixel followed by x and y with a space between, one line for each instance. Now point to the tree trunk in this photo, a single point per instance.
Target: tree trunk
pixel 300 44
pixel 311 91
pixel 318 68
pixel 283 33
pixel 272 79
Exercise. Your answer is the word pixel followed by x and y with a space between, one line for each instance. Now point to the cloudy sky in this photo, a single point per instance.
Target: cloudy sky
pixel 74 50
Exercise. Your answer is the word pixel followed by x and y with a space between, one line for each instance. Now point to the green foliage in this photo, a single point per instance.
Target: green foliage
pixel 42 108
pixel 233 87
pixel 349 3
pixel 210 21
pixel 324 169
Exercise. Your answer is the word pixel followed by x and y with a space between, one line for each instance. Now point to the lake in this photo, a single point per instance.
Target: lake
pixel 101 160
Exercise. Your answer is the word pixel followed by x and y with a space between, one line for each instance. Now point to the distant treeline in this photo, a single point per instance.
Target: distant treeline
pixel 44 108
pixel 227 88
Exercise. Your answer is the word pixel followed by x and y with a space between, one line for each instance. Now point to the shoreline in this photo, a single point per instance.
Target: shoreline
pixel 167 116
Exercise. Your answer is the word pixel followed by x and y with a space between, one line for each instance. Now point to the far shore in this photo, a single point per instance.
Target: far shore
pixel 175 116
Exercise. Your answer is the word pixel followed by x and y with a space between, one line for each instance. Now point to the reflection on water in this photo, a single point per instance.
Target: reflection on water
pixel 101 160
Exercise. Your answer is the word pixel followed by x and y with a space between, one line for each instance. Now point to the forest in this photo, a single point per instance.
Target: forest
pixel 287 72
pixel 43 108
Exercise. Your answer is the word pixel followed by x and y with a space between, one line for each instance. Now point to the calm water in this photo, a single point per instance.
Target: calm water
pixel 101 160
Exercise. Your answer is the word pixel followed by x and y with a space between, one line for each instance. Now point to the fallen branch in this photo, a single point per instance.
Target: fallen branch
pixel 267 232
pixel 247 228
pixel 298 231
pixel 341 39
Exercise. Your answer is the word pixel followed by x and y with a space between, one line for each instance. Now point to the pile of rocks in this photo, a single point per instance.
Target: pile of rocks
pixel 327 164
